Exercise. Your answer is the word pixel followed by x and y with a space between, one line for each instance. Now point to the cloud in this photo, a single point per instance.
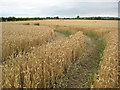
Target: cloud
pixel 83 9
pixel 63 8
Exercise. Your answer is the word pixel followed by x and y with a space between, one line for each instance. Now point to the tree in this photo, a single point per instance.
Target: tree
pixel 78 17
pixel 56 17
pixel 97 18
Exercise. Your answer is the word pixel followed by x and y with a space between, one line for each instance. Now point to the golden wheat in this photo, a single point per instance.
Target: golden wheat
pixel 99 26
pixel 44 65
pixel 21 37
pixel 108 73
pixel 107 76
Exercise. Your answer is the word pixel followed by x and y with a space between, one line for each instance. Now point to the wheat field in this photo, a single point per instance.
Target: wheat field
pixel 107 76
pixel 31 59
pixel 22 37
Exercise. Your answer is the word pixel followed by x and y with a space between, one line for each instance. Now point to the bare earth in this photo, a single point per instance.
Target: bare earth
pixel 59 36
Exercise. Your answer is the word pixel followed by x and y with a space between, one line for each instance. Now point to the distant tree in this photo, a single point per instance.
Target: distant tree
pixel 56 17
pixel 78 17
pixel 4 19
pixel 11 19
pixel 48 17
pixel 97 18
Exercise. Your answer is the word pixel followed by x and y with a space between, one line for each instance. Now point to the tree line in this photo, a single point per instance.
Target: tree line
pixel 42 18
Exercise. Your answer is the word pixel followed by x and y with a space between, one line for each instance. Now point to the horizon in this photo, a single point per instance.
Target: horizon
pixel 61 17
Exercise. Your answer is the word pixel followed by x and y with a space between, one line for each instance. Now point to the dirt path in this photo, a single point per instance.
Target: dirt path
pixel 80 73
pixel 59 36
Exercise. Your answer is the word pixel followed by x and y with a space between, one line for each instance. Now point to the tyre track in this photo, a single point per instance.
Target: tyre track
pixel 80 73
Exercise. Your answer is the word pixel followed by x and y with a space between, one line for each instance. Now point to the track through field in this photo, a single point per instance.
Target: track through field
pixel 80 74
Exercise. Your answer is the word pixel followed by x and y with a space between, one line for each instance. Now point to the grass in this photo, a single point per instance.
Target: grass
pixel 100 42
pixel 65 32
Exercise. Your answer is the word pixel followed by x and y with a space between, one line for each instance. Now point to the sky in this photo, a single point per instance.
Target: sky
pixel 61 8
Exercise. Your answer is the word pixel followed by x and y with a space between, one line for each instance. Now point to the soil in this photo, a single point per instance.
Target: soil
pixel 59 36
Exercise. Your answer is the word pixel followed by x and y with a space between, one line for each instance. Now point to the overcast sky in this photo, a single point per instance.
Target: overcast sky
pixel 61 8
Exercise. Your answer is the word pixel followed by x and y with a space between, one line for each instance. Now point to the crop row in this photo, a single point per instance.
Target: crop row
pixel 107 76
pixel 20 38
pixel 43 65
